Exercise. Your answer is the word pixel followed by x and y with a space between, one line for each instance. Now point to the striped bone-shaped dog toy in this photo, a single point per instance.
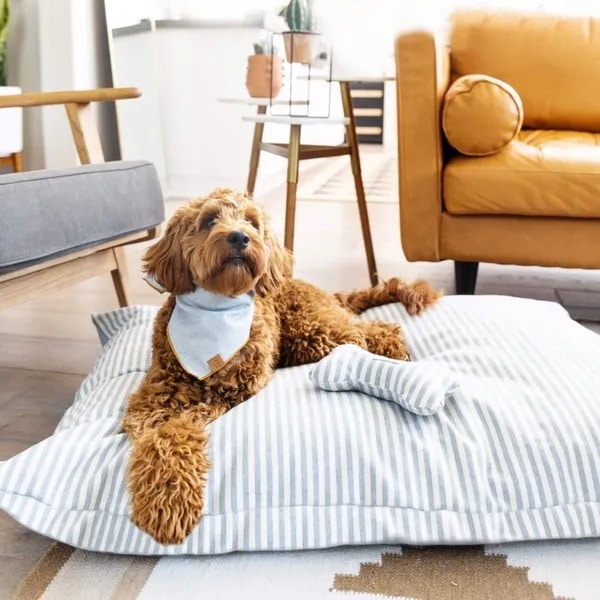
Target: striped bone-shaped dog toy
pixel 420 387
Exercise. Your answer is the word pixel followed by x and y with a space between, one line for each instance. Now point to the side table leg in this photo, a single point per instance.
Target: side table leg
pixel 255 152
pixel 292 184
pixel 358 182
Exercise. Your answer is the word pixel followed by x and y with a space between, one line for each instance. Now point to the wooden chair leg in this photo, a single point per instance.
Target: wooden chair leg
pixel 17 162
pixel 255 152
pixel 292 185
pixel 358 182
pixel 120 278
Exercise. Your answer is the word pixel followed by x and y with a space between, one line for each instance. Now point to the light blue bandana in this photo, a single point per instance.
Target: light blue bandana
pixel 207 330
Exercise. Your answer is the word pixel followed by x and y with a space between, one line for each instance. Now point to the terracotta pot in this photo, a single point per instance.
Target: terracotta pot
pixel 302 46
pixel 264 76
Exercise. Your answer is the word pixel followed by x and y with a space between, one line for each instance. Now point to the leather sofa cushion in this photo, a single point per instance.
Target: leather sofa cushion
pixel 540 173
pixel 481 115
pixel 551 60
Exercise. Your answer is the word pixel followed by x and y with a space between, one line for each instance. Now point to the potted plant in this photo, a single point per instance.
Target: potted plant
pixel 298 41
pixel 11 119
pixel 264 75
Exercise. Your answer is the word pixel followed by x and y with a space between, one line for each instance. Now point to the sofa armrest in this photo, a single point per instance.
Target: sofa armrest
pixel 422 77
pixel 68 97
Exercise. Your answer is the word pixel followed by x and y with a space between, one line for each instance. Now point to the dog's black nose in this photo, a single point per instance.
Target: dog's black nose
pixel 238 240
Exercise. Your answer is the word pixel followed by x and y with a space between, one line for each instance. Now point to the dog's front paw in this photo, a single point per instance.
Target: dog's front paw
pixel 166 480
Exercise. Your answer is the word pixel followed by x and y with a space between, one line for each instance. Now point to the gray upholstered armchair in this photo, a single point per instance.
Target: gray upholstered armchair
pixel 60 227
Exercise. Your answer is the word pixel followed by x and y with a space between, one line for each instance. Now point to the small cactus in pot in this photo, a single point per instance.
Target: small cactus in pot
pixel 264 46
pixel 299 16
pixel 264 75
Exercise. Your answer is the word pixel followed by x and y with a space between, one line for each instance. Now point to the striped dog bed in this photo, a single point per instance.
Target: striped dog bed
pixel 514 456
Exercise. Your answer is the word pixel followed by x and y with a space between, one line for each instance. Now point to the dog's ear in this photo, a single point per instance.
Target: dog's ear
pixel 279 267
pixel 164 260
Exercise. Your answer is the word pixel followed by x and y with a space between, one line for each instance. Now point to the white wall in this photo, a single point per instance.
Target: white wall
pixel 363 31
pixel 24 70
pixel 59 45
pixel 140 122
pixel 56 70
pixel 197 142
pixel 206 142
pixel 128 12
pixel 91 66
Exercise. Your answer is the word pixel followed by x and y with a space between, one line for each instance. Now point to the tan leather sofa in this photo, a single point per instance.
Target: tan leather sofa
pixel 536 201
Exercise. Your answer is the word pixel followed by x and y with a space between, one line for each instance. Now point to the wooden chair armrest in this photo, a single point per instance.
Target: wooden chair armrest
pixel 68 97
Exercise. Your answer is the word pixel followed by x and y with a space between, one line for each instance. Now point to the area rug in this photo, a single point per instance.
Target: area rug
pixel 334 182
pixel 527 571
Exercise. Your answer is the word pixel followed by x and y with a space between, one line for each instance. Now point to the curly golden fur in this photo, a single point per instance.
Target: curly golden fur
pixel 294 323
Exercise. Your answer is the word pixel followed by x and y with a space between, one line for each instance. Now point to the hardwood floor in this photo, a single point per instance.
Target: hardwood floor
pixel 48 346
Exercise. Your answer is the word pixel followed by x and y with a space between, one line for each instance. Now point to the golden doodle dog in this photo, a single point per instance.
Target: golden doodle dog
pixel 221 247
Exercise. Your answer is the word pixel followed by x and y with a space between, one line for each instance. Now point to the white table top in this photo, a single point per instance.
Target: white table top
pixel 248 100
pixel 287 120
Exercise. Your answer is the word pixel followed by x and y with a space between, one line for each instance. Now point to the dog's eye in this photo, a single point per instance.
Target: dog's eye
pixel 209 222
pixel 253 221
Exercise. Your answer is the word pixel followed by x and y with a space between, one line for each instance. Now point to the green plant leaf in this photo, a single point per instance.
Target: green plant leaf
pixel 4 21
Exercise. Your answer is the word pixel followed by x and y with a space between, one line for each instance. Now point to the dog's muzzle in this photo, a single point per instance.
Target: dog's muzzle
pixel 238 240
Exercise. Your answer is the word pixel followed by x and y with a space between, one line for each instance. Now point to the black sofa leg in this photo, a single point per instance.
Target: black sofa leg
pixel 465 276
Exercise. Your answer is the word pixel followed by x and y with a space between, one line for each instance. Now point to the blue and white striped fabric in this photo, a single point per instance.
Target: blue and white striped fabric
pixel 420 387
pixel 515 457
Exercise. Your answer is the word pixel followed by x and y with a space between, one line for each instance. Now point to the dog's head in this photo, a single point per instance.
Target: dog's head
pixel 221 242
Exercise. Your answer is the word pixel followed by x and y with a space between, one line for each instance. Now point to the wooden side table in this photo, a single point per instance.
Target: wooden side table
pixel 294 151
